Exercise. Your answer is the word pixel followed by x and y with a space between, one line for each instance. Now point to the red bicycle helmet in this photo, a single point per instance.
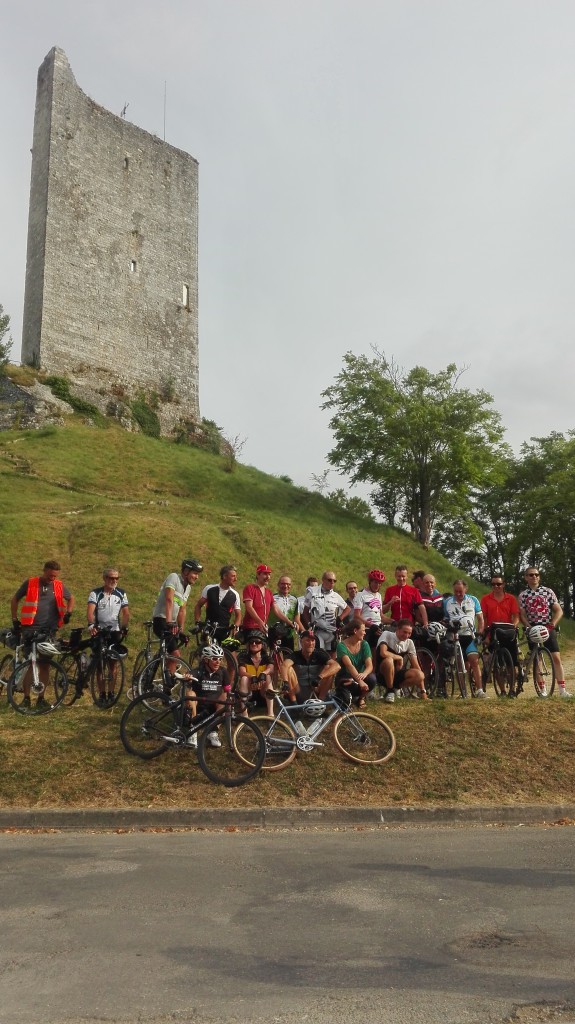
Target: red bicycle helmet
pixel 376 574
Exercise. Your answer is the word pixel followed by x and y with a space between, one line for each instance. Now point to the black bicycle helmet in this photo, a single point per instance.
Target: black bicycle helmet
pixel 193 564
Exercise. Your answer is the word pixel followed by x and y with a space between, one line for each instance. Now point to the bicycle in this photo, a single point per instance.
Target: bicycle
pixel 205 633
pixel 538 662
pixel 145 655
pixel 9 639
pixel 361 737
pixel 148 731
pixel 101 671
pixel 163 672
pixel 453 662
pixel 497 662
pixel 37 683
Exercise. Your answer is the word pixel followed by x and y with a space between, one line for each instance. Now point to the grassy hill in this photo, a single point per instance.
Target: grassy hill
pixel 88 496
pixel 91 496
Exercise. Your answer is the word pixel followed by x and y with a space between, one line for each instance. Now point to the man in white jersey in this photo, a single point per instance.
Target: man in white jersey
pixel 367 606
pixel 398 664
pixel 323 607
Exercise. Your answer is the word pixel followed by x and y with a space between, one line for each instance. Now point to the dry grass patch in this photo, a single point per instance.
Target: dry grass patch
pixel 448 752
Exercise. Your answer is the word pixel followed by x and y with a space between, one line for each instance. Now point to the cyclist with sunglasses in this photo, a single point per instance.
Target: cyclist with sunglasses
pixel 538 605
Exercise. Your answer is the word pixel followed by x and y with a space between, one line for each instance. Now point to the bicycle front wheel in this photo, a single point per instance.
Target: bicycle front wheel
pixel 459 671
pixel 364 738
pixel 280 742
pixel 156 679
pixel 46 685
pixel 106 680
pixel 6 670
pixel 543 673
pixel 237 754
pixel 144 731
pixel 503 672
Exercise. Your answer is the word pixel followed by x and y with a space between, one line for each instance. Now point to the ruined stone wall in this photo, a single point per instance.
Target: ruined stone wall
pixel 111 272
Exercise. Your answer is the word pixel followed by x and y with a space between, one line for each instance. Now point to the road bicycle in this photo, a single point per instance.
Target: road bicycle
pixel 497 661
pixel 97 664
pixel 361 737
pixel 162 673
pixel 150 726
pixel 204 634
pixel 453 671
pixel 9 639
pixel 37 683
pixel 538 664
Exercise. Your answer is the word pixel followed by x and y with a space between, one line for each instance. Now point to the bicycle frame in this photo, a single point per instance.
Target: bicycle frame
pixel 305 742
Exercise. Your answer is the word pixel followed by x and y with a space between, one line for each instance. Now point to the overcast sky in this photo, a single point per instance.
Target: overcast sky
pixel 398 174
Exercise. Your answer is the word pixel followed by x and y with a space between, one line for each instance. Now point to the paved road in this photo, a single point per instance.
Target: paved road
pixel 446 925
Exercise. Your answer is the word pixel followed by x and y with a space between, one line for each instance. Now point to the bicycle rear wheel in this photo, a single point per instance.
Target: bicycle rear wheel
pixel 48 686
pixel 156 679
pixel 364 738
pixel 71 665
pixel 106 677
pixel 543 673
pixel 239 756
pixel 144 731
pixel 503 672
pixel 279 739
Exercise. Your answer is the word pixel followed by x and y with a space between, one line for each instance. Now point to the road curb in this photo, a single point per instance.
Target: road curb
pixel 261 818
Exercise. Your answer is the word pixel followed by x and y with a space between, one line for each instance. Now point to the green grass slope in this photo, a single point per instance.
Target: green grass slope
pixel 89 497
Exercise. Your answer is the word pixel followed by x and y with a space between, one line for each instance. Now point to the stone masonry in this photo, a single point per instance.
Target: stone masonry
pixel 112 263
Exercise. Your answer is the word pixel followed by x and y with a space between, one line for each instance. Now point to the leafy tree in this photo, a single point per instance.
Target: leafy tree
pixel 5 346
pixel 419 438
pixel 351 503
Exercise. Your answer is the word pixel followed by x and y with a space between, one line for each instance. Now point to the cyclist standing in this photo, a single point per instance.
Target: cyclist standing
pixel 258 603
pixel 463 608
pixel 108 609
pixel 288 604
pixel 403 601
pixel 368 604
pixel 323 607
pixel 48 605
pixel 221 602
pixel 539 606
pixel 169 614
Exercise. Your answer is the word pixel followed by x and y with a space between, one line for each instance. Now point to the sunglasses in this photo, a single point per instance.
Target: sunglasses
pixel 533 573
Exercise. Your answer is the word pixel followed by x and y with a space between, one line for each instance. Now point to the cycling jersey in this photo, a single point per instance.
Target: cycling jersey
pixel 538 604
pixel 463 612
pixel 369 604
pixel 108 606
pixel 181 594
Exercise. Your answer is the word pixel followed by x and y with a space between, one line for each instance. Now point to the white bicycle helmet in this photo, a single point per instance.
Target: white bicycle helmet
pixel 538 634
pixel 436 629
pixel 212 651
pixel 47 648
pixel 117 652
pixel 313 708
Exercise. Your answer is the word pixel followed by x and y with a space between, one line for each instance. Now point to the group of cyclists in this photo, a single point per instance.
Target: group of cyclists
pixel 354 643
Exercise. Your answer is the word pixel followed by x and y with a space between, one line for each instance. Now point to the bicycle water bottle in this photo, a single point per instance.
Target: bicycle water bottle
pixel 83 661
pixel 314 727
pixel 300 728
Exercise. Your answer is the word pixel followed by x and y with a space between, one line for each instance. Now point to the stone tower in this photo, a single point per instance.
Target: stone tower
pixel 112 262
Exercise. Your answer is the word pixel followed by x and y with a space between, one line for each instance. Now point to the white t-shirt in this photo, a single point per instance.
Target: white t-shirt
pixel 405 647
pixel 370 605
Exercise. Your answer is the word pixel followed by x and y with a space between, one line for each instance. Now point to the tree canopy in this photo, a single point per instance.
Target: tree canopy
pixel 422 440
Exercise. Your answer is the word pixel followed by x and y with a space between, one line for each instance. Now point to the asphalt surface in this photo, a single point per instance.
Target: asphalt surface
pixel 460 924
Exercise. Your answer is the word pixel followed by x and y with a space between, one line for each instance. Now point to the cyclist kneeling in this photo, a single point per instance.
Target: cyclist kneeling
pixel 397 652
pixel 255 671
pixel 207 688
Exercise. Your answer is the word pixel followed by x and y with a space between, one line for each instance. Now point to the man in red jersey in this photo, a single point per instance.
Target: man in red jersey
pixel 258 602
pixel 403 601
